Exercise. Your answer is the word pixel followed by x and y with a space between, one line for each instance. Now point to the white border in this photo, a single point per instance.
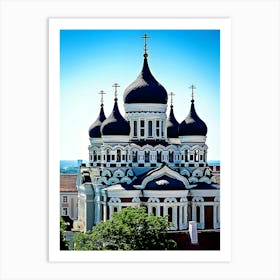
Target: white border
pixel 55 25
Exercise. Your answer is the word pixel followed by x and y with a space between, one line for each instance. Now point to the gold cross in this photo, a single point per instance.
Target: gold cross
pixel 116 85
pixel 192 87
pixel 102 93
pixel 145 37
pixel 171 94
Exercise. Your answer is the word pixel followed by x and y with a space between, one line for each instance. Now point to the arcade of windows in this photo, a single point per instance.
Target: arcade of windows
pixel 147 129
pixel 148 156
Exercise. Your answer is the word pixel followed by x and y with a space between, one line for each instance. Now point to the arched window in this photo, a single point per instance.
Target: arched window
pixel 135 129
pixel 94 156
pixel 134 156
pixel 118 155
pixel 171 156
pixel 158 156
pixel 186 155
pixel 154 211
pixel 108 155
pixel 162 129
pixel 150 128
pixel 147 156
pixel 169 214
pixel 198 214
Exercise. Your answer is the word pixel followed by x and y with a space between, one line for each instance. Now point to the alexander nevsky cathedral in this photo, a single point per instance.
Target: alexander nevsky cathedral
pixel 148 159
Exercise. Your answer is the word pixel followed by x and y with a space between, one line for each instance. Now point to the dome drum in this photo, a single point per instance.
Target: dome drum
pixel 95 140
pixel 115 139
pixel 192 139
pixel 145 107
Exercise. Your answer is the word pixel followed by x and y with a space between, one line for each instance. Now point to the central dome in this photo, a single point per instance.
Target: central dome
pixel 145 89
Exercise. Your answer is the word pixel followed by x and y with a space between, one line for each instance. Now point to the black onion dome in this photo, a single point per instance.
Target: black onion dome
pixel 145 89
pixel 115 124
pixel 94 130
pixel 172 125
pixel 192 124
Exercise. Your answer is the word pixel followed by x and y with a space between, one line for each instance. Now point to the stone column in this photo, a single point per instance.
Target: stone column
pixel 202 218
pixel 193 232
pixel 174 217
pixel 216 217
pixel 105 207
pixel 97 202
pixel 181 213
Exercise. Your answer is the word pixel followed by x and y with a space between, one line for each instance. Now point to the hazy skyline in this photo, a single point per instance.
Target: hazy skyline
pixel 93 60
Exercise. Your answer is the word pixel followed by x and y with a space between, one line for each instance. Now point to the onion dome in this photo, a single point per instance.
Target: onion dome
pixel 145 89
pixel 172 125
pixel 192 124
pixel 115 124
pixel 94 130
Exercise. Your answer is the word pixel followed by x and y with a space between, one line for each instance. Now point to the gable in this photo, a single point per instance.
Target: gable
pixel 167 177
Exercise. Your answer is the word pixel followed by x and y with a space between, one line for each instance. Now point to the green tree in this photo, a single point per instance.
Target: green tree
pixel 63 243
pixel 130 229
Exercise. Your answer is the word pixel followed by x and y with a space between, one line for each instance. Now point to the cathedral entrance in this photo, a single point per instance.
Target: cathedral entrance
pixel 208 214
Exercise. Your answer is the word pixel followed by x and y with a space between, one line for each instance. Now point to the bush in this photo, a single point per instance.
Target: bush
pixel 130 229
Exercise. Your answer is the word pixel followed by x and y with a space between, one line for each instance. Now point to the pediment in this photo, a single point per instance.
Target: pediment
pixel 165 178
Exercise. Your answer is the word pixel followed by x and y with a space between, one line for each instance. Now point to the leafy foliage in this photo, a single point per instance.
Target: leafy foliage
pixel 63 243
pixel 130 229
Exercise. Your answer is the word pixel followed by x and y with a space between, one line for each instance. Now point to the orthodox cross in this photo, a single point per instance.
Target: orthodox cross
pixel 116 85
pixel 171 95
pixel 192 87
pixel 102 93
pixel 145 37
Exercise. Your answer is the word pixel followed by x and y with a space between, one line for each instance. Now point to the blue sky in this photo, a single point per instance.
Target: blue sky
pixel 93 60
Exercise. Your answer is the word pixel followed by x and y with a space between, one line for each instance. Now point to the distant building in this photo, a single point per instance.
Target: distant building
pixel 68 196
pixel 216 172
pixel 148 159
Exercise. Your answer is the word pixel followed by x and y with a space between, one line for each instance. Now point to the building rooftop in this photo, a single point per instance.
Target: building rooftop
pixel 68 183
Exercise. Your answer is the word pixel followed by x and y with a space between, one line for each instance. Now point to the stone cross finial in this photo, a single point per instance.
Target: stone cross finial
pixel 145 37
pixel 171 95
pixel 116 85
pixel 102 93
pixel 192 87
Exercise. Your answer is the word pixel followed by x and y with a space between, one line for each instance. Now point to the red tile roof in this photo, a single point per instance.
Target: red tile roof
pixel 68 183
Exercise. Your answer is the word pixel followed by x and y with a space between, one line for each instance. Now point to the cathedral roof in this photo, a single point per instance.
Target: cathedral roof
pixel 205 186
pixel 94 130
pixel 172 125
pixel 192 124
pixel 145 89
pixel 121 187
pixel 153 143
pixel 115 124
